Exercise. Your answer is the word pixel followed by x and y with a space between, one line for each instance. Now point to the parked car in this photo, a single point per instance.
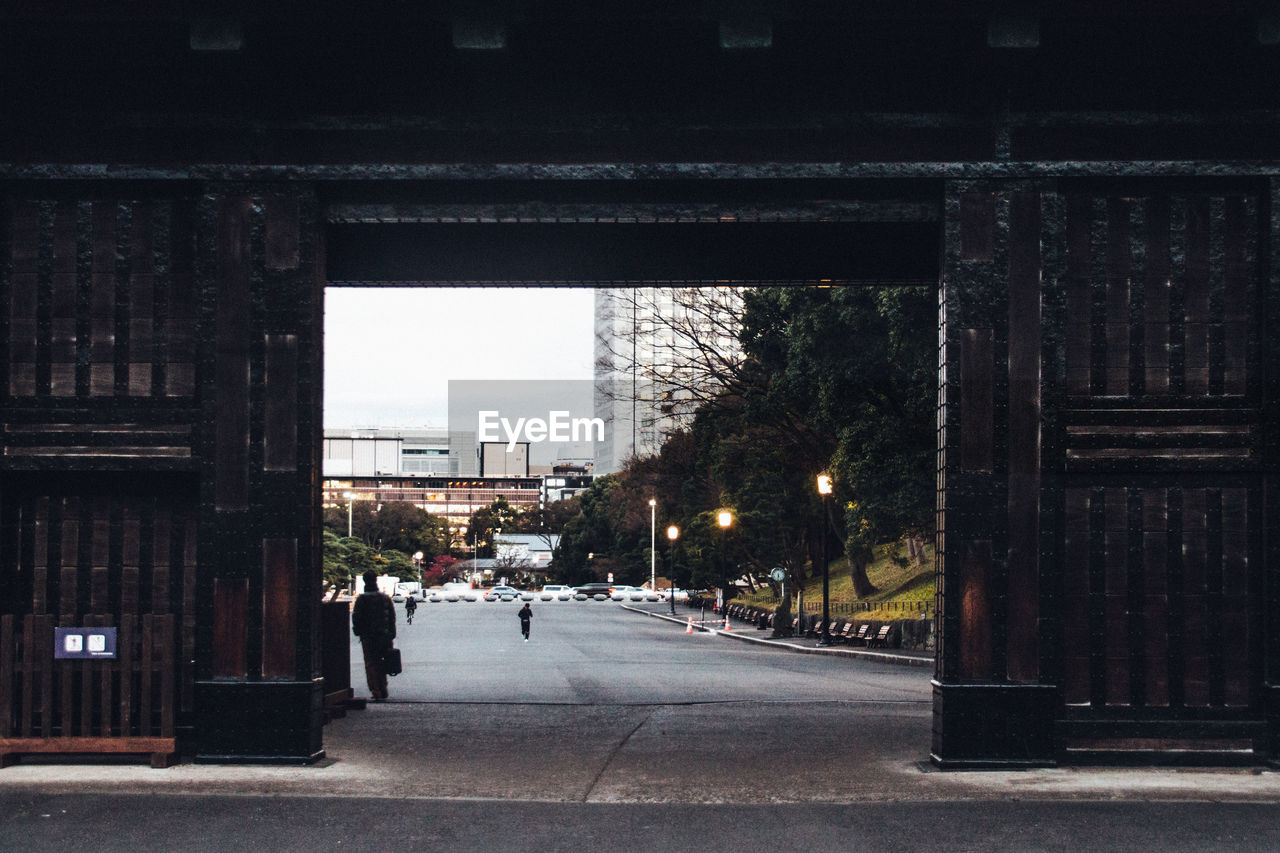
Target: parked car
pixel 593 590
pixel 622 592
pixel 506 593
pixel 555 590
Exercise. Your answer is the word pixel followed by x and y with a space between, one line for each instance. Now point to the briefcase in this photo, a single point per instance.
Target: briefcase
pixel 391 661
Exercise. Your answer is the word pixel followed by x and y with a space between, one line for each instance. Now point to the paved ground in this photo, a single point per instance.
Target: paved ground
pixel 613 728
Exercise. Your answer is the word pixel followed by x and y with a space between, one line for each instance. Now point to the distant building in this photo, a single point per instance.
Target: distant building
pixel 652 345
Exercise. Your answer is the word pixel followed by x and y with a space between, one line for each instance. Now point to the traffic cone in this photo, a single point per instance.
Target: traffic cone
pixel 726 624
pixel 689 630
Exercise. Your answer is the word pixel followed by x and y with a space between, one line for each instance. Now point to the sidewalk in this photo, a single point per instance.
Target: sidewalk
pixel 801 645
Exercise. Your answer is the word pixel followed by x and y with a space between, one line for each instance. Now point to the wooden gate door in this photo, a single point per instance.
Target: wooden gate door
pixel 1106 443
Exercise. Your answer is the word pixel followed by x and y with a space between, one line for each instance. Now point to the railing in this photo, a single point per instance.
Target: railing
pixel 121 705
pixel 914 609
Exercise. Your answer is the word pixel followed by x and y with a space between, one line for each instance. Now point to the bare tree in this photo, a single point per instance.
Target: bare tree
pixel 668 350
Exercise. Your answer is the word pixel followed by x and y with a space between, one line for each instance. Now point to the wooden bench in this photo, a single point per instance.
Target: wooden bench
pixel 863 634
pixel 882 636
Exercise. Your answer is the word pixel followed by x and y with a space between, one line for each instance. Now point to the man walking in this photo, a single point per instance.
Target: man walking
pixel 373 620
pixel 526 613
pixel 410 607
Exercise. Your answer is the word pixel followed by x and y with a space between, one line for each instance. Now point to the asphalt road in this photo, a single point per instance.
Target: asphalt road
pixel 613 730
pixel 597 653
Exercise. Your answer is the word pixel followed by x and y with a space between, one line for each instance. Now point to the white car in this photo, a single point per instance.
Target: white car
pixel 622 593
pixel 556 591
pixel 505 593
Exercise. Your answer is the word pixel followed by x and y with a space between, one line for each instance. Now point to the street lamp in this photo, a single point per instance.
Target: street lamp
pixel 417 561
pixel 724 518
pixel 824 489
pixel 653 543
pixel 673 533
pixel 350 496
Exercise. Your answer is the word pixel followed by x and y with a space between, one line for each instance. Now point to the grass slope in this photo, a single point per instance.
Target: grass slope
pixel 892 573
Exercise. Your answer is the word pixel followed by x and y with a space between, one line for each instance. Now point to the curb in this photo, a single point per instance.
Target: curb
pixel 878 657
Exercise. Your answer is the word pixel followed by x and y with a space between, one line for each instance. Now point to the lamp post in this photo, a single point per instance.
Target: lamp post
pixel 350 496
pixel 653 543
pixel 417 561
pixel 673 533
pixel 824 489
pixel 724 518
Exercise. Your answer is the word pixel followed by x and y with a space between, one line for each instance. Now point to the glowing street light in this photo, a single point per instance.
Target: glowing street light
pixel 824 489
pixel 350 496
pixel 724 518
pixel 673 533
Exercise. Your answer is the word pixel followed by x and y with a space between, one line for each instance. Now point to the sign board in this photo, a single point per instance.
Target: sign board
pixel 610 577
pixel 84 643
pixel 778 574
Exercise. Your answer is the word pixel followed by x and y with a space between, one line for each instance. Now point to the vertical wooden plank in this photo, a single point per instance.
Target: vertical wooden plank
pixel 122 269
pixel 106 689
pixel 230 631
pixel 85 671
pixel 1023 505
pixel 1079 301
pixel 1216 345
pixel 231 476
pixel 1238 275
pixel 28 674
pixel 1214 596
pixel 168 670
pixel 68 570
pixel 1236 624
pixel 1156 604
pixel 1195 598
pixel 146 676
pixel 127 645
pixel 24 287
pixel 279 608
pixel 160 557
pixel 102 303
pixel 1075 603
pixel 1155 335
pixel 40 556
pixel 1116 279
pixel 189 612
pixel 162 284
pixel 99 596
pixel 141 303
pixel 44 665
pixel 1196 298
pixel 62 302
pixel 131 554
pixel 44 298
pixel 1135 630
pixel 280 422
pixel 8 659
pixel 180 332
pixel 1116 593
pixel 1177 602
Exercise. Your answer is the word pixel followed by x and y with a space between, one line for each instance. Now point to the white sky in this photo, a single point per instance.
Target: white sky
pixel 390 352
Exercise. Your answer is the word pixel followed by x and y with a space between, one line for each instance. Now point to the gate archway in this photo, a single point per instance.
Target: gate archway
pixel 1100 215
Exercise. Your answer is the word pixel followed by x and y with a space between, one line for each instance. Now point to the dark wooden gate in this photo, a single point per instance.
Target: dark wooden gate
pixel 1103 483
pixel 160 400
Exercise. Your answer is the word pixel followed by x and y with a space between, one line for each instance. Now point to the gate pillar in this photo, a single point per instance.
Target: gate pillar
pixel 990 703
pixel 259 690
